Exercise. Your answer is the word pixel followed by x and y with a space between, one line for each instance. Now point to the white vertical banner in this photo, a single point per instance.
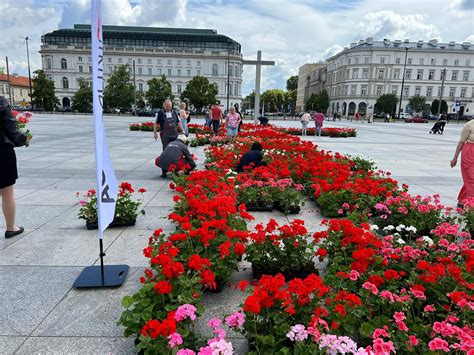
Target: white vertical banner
pixel 107 188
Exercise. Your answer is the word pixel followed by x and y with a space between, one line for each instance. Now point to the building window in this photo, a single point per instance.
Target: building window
pixel 198 63
pixel 346 89
pixel 429 91
pixel 169 61
pixel 130 70
pixel 159 71
pixel 130 60
pixel 89 59
pixel 48 63
pixel 179 62
pixel 433 61
pixel 110 70
pixel 236 87
pixel 158 61
pixel 445 62
pixel 468 62
pixel 347 74
pixel 356 60
pixel 408 74
pixel 215 69
pixel 456 62
pixel 349 61
pixel 81 69
pixel 465 76
pixel 231 70
pixel 65 83
pixel 454 76
pixel 188 72
pixel 120 60
pixel 149 61
pixel 394 89
pixel 140 71
pixel 150 71
pixel 431 75
pixel 236 70
pixel 439 91
pixel 419 74
pixel 463 92
pixel 366 60
pixel 353 89
pixel 365 73
pixel 198 72
pixel 169 72
pixel 139 61
pixel 381 73
pixel 418 90
pixel 397 61
pixel 140 87
pixel 179 72
pixel 79 59
pixel 188 62
pixel 63 63
pixel 110 60
pixel 409 61
pixel 363 90
pixel 406 91
pixel 178 88
pixel 231 91
pixel 355 73
pixel 382 60
pixel 396 74
pixel 421 61
pixel 379 90
pixel 452 92
pixel 90 68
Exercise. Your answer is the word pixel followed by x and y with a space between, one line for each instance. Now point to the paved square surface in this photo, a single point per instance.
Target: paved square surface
pixel 40 312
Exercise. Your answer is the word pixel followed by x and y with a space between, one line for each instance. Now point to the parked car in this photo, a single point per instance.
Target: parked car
pixel 64 109
pixel 405 115
pixel 416 120
pixel 429 116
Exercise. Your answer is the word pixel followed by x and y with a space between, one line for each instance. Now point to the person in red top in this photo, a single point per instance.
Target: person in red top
pixel 318 120
pixel 216 117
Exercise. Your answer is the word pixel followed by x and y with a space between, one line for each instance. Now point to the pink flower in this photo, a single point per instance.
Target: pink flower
pixel 379 332
pixel 413 340
pixel 438 344
pixel 175 339
pixel 345 205
pixel 207 350
pixel 429 308
pixel 235 320
pixel 185 311
pixel 297 333
pixel 214 323
pixel 185 352
pixel 402 326
pixel 399 316
pixel 417 293
pixel 340 211
pixel 221 347
pixel 82 202
pixel 371 287
pixel 382 347
pixel 387 295
pixel 353 275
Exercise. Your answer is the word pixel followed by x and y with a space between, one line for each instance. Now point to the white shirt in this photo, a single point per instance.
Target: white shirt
pixel 168 114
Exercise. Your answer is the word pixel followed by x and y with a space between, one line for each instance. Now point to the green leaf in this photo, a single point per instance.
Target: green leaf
pixel 127 301
pixel 366 329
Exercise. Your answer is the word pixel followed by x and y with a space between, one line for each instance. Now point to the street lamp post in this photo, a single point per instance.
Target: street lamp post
pixel 29 70
pixel 403 81
pixel 134 90
pixel 228 77
pixel 443 73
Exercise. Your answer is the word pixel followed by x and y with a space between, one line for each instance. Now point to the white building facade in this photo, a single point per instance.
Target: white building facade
pixel 360 74
pixel 179 54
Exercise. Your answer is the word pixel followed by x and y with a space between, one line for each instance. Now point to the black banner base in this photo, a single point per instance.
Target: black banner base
pixel 96 277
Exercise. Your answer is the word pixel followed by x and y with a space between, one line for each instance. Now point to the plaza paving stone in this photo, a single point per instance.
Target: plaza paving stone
pixel 40 312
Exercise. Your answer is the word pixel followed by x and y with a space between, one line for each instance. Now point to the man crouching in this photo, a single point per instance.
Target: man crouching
pixel 176 153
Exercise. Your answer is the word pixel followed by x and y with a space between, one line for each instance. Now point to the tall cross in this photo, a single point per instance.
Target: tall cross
pixel 258 63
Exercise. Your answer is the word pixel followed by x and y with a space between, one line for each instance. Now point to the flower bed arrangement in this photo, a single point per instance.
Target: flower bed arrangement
pixel 325 132
pixel 126 210
pixel 148 126
pixel 386 289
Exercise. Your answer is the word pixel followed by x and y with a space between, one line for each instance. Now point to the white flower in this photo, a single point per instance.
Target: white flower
pixel 411 229
pixel 427 240
pixel 389 228
pixel 374 227
pixel 400 241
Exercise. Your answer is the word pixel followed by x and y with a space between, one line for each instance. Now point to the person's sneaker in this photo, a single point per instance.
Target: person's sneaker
pixel 11 234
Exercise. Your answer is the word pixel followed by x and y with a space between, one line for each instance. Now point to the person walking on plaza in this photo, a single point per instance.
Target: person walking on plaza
pixel 169 124
pixel 232 122
pixel 240 114
pixel 216 117
pixel 183 118
pixel 318 120
pixel 466 146
pixel 176 152
pixel 10 138
pixel 357 116
pixel 305 117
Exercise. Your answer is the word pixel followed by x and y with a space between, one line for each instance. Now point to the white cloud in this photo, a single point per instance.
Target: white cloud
pixel 469 39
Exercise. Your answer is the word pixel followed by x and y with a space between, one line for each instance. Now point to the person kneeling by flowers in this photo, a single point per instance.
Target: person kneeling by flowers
pixel 175 152
pixel 251 159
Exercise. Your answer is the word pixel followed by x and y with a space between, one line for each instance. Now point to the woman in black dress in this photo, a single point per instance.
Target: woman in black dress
pixel 10 137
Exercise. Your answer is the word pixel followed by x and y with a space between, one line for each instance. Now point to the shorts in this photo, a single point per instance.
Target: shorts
pixel 232 131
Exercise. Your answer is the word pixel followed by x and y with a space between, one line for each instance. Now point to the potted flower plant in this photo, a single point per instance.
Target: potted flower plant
pixel 126 209
pixel 255 197
pixel 287 196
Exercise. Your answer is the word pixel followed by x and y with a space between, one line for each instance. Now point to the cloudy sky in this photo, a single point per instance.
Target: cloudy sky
pixel 291 32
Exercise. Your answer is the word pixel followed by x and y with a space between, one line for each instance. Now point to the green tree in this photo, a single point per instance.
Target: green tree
pixel 290 99
pixel 248 103
pixel 200 92
pixel 292 83
pixel 418 103
pixel 82 99
pixel 140 100
pixel 119 91
pixel 43 96
pixel 159 89
pixel 387 103
pixel 318 102
pixel 273 100
pixel 435 104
